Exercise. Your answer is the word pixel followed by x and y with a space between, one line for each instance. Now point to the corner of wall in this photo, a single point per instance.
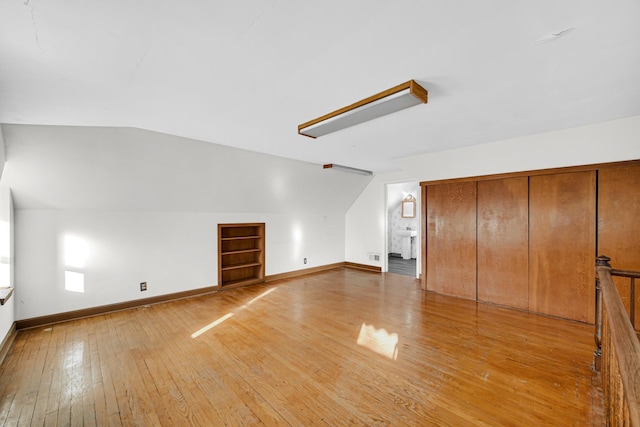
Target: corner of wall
pixel 365 221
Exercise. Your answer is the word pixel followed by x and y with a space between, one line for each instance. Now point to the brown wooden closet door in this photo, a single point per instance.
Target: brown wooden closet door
pixel 619 224
pixel 503 242
pixel 451 239
pixel 562 242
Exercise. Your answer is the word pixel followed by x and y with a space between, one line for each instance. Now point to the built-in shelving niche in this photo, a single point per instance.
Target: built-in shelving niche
pixel 241 254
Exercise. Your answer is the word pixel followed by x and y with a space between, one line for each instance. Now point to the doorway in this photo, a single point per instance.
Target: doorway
pixel 403 229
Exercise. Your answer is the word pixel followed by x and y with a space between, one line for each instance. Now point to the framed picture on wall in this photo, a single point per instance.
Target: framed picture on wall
pixel 409 207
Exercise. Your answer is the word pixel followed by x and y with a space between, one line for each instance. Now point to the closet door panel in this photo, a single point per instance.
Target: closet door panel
pixel 619 225
pixel 503 242
pixel 562 209
pixel 451 239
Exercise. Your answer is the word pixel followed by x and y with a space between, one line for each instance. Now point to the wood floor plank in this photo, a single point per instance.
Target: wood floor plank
pixel 42 381
pixel 11 372
pixel 338 348
pixel 169 405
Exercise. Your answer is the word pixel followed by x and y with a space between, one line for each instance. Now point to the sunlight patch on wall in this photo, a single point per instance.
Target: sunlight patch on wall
pixel 297 237
pixel 76 252
pixel 74 282
pixel 379 341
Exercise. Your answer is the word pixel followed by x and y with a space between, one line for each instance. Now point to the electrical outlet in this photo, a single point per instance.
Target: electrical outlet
pixel 143 286
pixel 305 260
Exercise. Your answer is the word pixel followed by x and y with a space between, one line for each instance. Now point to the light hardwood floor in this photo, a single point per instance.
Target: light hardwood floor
pixel 344 347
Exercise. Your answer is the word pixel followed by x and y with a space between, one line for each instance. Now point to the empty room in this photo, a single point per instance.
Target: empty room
pixel 319 213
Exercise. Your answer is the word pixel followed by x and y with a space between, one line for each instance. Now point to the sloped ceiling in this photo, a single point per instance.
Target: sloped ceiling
pixel 397 192
pixel 245 74
pixel 128 169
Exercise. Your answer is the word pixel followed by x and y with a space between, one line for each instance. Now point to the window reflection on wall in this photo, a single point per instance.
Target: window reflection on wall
pixel 76 252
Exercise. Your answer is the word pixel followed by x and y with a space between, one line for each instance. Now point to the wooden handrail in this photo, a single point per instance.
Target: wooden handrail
pixel 633 275
pixel 618 351
pixel 626 273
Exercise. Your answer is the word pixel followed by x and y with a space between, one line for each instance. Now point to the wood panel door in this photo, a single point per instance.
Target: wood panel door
pixel 562 245
pixel 451 239
pixel 503 242
pixel 619 225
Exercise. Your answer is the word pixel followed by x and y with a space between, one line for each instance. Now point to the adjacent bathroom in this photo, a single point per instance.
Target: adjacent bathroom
pixel 403 228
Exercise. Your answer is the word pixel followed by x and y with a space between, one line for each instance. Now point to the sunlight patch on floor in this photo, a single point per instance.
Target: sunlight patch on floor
pixel 379 341
pixel 262 295
pixel 211 325
pixel 230 314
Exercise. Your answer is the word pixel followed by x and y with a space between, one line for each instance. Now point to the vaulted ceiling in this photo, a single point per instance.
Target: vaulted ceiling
pixel 245 74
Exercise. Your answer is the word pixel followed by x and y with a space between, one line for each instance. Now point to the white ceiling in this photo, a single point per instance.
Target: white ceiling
pixel 397 192
pixel 245 74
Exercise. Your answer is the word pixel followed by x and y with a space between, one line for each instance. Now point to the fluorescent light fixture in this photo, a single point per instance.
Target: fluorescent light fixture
pixel 347 169
pixel 395 99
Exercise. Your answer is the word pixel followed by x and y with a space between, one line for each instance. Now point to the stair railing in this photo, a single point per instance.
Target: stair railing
pixel 617 354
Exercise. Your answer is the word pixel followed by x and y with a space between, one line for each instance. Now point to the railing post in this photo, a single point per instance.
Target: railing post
pixel 601 261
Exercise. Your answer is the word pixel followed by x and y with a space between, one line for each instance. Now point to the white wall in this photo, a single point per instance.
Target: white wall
pixel 612 141
pixel 366 221
pixel 94 168
pixel 172 251
pixel 7 311
pixel 145 207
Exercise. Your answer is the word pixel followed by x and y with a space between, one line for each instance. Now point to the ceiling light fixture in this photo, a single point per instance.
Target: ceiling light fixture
pixel 347 169
pixel 395 99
